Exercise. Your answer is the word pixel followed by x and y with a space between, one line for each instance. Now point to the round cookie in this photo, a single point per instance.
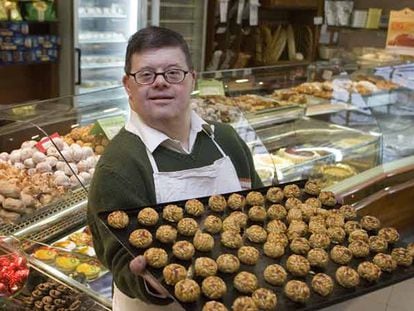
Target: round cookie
pixel 265 299
pixel 348 211
pixel 410 249
pixel 173 273
pixel 257 213
pixel 214 306
pixel 228 263
pixel 322 284
pixel 347 277
pixel 352 225
pixel 335 220
pixel 244 303
pixel 358 235
pixel 187 226
pixel 327 198
pixel 148 216
pixel 194 207
pixel 172 213
pixel 276 226
pixel 203 242
pixel 276 211
pixel 291 191
pixel 314 202
pixel 297 291
pixel 369 271
pixel 278 238
pixel 312 187
pixel 385 262
pixel 319 240
pixel 359 249
pixel 275 275
pixel 248 255
pixel 183 250
pixel 240 217
pixel 402 256
pixel 336 234
pixel 213 287
pixel 341 255
pixel 377 244
pixel 140 238
pixel 297 228
pixel 118 220
pixel 256 234
pixel 217 203
pixel 246 282
pixel 231 239
pixel 294 214
pixel 187 290
pixel 370 223
pixel 255 198
pixel 166 234
pixel 273 250
pixel 212 224
pixel 205 266
pixel 318 257
pixel 156 257
pixel 292 203
pixel 390 234
pixel 236 201
pixel 275 195
pixel 300 246
pixel 297 265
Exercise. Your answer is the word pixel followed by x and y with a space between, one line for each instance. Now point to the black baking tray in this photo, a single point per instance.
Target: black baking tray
pixel 283 303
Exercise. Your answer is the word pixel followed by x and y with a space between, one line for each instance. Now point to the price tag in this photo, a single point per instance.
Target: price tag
pixel 108 126
pixel 210 87
pixel 45 143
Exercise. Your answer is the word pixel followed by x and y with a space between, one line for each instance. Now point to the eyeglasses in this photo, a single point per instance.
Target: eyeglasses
pixel 173 76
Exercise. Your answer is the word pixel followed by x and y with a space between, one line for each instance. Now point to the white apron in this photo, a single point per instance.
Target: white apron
pixel 219 177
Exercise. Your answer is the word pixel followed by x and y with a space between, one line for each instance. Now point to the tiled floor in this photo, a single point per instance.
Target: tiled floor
pixel 399 297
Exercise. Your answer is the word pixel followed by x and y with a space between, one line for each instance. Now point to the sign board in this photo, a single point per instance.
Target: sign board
pixel 108 126
pixel 210 87
pixel 400 37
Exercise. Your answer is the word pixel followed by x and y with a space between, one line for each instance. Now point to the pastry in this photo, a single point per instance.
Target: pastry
pixel 318 257
pixel 183 250
pixel 316 226
pixel 236 201
pixel 341 255
pixel 327 198
pixel 118 219
pixel 319 240
pixel 81 238
pixel 265 299
pixel 322 212
pixel 256 234
pixel 213 287
pixel 240 217
pixel 47 255
pixel 173 273
pixel 217 203
pixel 300 246
pixel 273 250
pixel 322 284
pixel 335 220
pixel 359 249
pixel 187 226
pixel 85 250
pixel 66 244
pixel 214 306
pixel 90 271
pixel 246 282
pixel 312 187
pixel 358 235
pixel 166 234
pixel 255 198
pixel 194 207
pixel 244 303
pixel 147 216
pixel 292 203
pixel 390 234
pixel 369 271
pixel 291 191
pixel 231 223
pixel 348 211
pixel 231 239
pixel 203 242
pixel 297 228
pixel 307 211
pixel 228 263
pixel 213 224
pixel 205 266
pixel 187 290
pixel 248 255
pixel 276 211
pixel 275 274
pixel 257 213
pixel 140 238
pixel 410 249
pixel 279 238
pixel 274 195
pixel 276 225
pixel 294 214
pixel 172 213
pixel 386 262
pixel 402 256
pixel 377 244
pixel 370 223
pixel 352 225
pixel 297 291
pixel 66 263
pixel 336 234
pixel 347 277
pixel 314 202
pixel 297 265
pixel 156 257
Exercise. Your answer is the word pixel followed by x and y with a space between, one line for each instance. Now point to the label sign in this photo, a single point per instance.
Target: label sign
pixel 108 126
pixel 210 87
pixel 45 143
pixel 400 37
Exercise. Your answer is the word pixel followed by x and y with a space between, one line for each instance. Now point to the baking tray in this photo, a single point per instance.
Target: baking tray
pixel 283 303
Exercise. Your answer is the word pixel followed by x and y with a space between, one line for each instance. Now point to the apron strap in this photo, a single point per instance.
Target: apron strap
pixel 152 161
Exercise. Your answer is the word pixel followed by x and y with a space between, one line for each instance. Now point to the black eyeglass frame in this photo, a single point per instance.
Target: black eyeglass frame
pixel 156 74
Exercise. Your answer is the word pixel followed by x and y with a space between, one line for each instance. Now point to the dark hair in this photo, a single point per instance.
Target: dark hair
pixel 153 38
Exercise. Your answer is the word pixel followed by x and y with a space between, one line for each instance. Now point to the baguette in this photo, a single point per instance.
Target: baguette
pixel 291 43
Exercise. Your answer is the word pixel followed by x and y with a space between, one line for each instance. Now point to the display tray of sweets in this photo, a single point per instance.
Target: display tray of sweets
pixel 73 255
pixel 290 247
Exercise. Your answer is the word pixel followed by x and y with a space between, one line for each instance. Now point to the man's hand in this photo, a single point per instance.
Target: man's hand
pixel 137 265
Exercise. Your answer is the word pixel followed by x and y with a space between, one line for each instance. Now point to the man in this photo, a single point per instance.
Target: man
pixel 165 153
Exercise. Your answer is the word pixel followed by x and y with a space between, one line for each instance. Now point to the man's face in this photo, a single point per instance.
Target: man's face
pixel 160 101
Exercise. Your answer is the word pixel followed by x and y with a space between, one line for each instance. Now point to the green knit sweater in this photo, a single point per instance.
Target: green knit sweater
pixel 123 179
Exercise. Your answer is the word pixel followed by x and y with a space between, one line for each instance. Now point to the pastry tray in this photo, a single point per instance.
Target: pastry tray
pixel 283 303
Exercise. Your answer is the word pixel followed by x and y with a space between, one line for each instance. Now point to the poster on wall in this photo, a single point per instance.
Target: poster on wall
pixel 400 37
